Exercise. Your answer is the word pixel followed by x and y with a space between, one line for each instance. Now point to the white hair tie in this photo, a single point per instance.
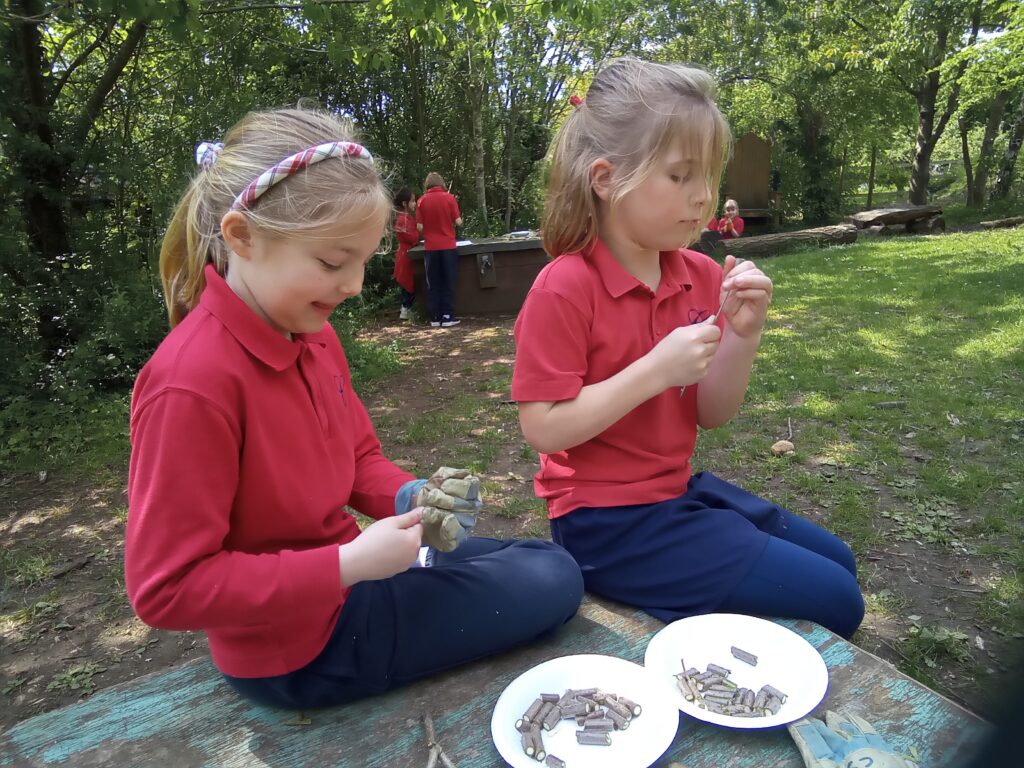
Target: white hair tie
pixel 206 153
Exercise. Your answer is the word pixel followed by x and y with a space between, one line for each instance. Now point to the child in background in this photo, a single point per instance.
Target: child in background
pixel 248 443
pixel 437 216
pixel 730 225
pixel 408 236
pixel 628 342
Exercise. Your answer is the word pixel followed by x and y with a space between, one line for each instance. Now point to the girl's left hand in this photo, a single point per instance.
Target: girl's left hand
pixel 747 308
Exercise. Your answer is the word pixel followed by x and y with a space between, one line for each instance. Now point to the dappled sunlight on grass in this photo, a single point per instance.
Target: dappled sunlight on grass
pixel 882 343
pixel 817 404
pixel 998 344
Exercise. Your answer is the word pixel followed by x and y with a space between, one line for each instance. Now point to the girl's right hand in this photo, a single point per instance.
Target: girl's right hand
pixel 684 356
pixel 387 547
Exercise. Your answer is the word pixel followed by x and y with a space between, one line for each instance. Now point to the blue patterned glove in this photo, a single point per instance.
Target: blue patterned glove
pixel 846 741
pixel 450 500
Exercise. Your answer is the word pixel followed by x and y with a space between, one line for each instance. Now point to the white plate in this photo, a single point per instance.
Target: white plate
pixel 784 660
pixel 646 739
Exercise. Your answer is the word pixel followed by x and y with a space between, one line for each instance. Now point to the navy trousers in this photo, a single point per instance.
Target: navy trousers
pixel 441 267
pixel 486 597
pixel 715 548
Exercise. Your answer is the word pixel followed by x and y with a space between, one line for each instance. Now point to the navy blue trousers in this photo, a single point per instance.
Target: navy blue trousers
pixel 715 548
pixel 441 267
pixel 486 597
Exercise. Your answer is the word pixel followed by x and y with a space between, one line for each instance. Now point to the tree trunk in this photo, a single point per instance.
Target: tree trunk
pixel 476 104
pixel 1008 164
pixel 509 144
pixel 921 170
pixel 766 245
pixel 871 175
pixel 420 114
pixel 842 173
pixel 928 132
pixel 965 150
pixel 995 117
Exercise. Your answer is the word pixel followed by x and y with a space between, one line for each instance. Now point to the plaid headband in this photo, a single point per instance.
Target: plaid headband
pixel 295 163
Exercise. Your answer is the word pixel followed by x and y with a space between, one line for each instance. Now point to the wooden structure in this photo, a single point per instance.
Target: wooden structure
pixel 915 218
pixel 1013 221
pixel 748 175
pixel 494 276
pixel 768 245
pixel 189 716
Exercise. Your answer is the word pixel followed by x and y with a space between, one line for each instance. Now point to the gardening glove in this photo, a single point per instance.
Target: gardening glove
pixel 847 741
pixel 450 500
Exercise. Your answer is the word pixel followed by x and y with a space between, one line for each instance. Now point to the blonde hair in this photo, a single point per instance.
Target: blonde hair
pixel 633 114
pixel 734 204
pixel 433 179
pixel 308 201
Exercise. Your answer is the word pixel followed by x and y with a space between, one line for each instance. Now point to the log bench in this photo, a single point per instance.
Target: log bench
pixel 189 717
pixel 918 219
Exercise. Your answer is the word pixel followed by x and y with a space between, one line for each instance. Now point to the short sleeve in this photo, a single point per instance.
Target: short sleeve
pixel 552 339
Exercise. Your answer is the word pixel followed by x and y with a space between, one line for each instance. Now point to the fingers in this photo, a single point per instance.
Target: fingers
pixel 409 519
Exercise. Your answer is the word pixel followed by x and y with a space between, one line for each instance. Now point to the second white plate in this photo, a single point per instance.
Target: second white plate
pixel 784 660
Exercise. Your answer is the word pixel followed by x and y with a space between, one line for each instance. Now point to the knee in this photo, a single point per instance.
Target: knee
pixel 845 557
pixel 554 577
pixel 847 604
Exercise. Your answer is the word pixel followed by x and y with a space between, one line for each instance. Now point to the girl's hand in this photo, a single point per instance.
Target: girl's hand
pixel 387 547
pixel 684 356
pixel 747 307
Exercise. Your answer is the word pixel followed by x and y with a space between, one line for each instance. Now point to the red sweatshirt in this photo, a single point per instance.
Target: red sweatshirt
pixel 246 447
pixel 437 211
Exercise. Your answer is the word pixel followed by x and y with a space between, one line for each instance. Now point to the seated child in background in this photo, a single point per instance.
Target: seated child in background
pixel 730 225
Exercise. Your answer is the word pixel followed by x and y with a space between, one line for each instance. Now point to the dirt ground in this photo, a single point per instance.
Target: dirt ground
pixel 66 628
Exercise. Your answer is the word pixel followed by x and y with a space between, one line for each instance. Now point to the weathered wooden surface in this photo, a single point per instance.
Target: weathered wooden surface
pixel 189 717
pixel 766 245
pixel 1013 221
pixel 894 215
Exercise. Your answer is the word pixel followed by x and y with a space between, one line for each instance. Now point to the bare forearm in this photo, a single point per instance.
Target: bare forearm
pixel 553 427
pixel 721 393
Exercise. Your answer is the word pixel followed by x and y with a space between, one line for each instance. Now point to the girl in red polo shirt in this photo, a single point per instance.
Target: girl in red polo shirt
pixel 628 342
pixel 731 224
pixel 249 445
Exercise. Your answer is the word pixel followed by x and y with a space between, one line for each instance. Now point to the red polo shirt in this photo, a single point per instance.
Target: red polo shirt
pixel 437 211
pixel 584 320
pixel 246 447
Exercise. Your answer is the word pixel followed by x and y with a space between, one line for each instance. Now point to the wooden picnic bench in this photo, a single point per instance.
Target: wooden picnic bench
pixel 189 717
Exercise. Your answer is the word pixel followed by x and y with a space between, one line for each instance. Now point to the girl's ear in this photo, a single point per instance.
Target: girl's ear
pixel 237 233
pixel 601 171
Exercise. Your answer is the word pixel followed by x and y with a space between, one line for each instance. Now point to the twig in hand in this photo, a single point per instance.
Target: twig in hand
pixel 436 752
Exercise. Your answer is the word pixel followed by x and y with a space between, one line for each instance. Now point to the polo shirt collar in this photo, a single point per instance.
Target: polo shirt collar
pixel 618 282
pixel 250 330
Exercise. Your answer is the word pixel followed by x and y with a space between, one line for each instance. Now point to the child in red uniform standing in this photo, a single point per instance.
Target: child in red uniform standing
pixel 437 215
pixel 248 443
pixel 627 342
pixel 407 235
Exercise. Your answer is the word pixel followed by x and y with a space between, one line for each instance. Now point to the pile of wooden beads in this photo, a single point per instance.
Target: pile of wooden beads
pixel 595 712
pixel 714 691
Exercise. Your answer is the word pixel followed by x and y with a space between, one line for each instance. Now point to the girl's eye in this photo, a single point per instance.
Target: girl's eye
pixel 675 179
pixel 328 266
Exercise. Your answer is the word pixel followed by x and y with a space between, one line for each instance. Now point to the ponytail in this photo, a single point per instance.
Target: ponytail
pixel 188 246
